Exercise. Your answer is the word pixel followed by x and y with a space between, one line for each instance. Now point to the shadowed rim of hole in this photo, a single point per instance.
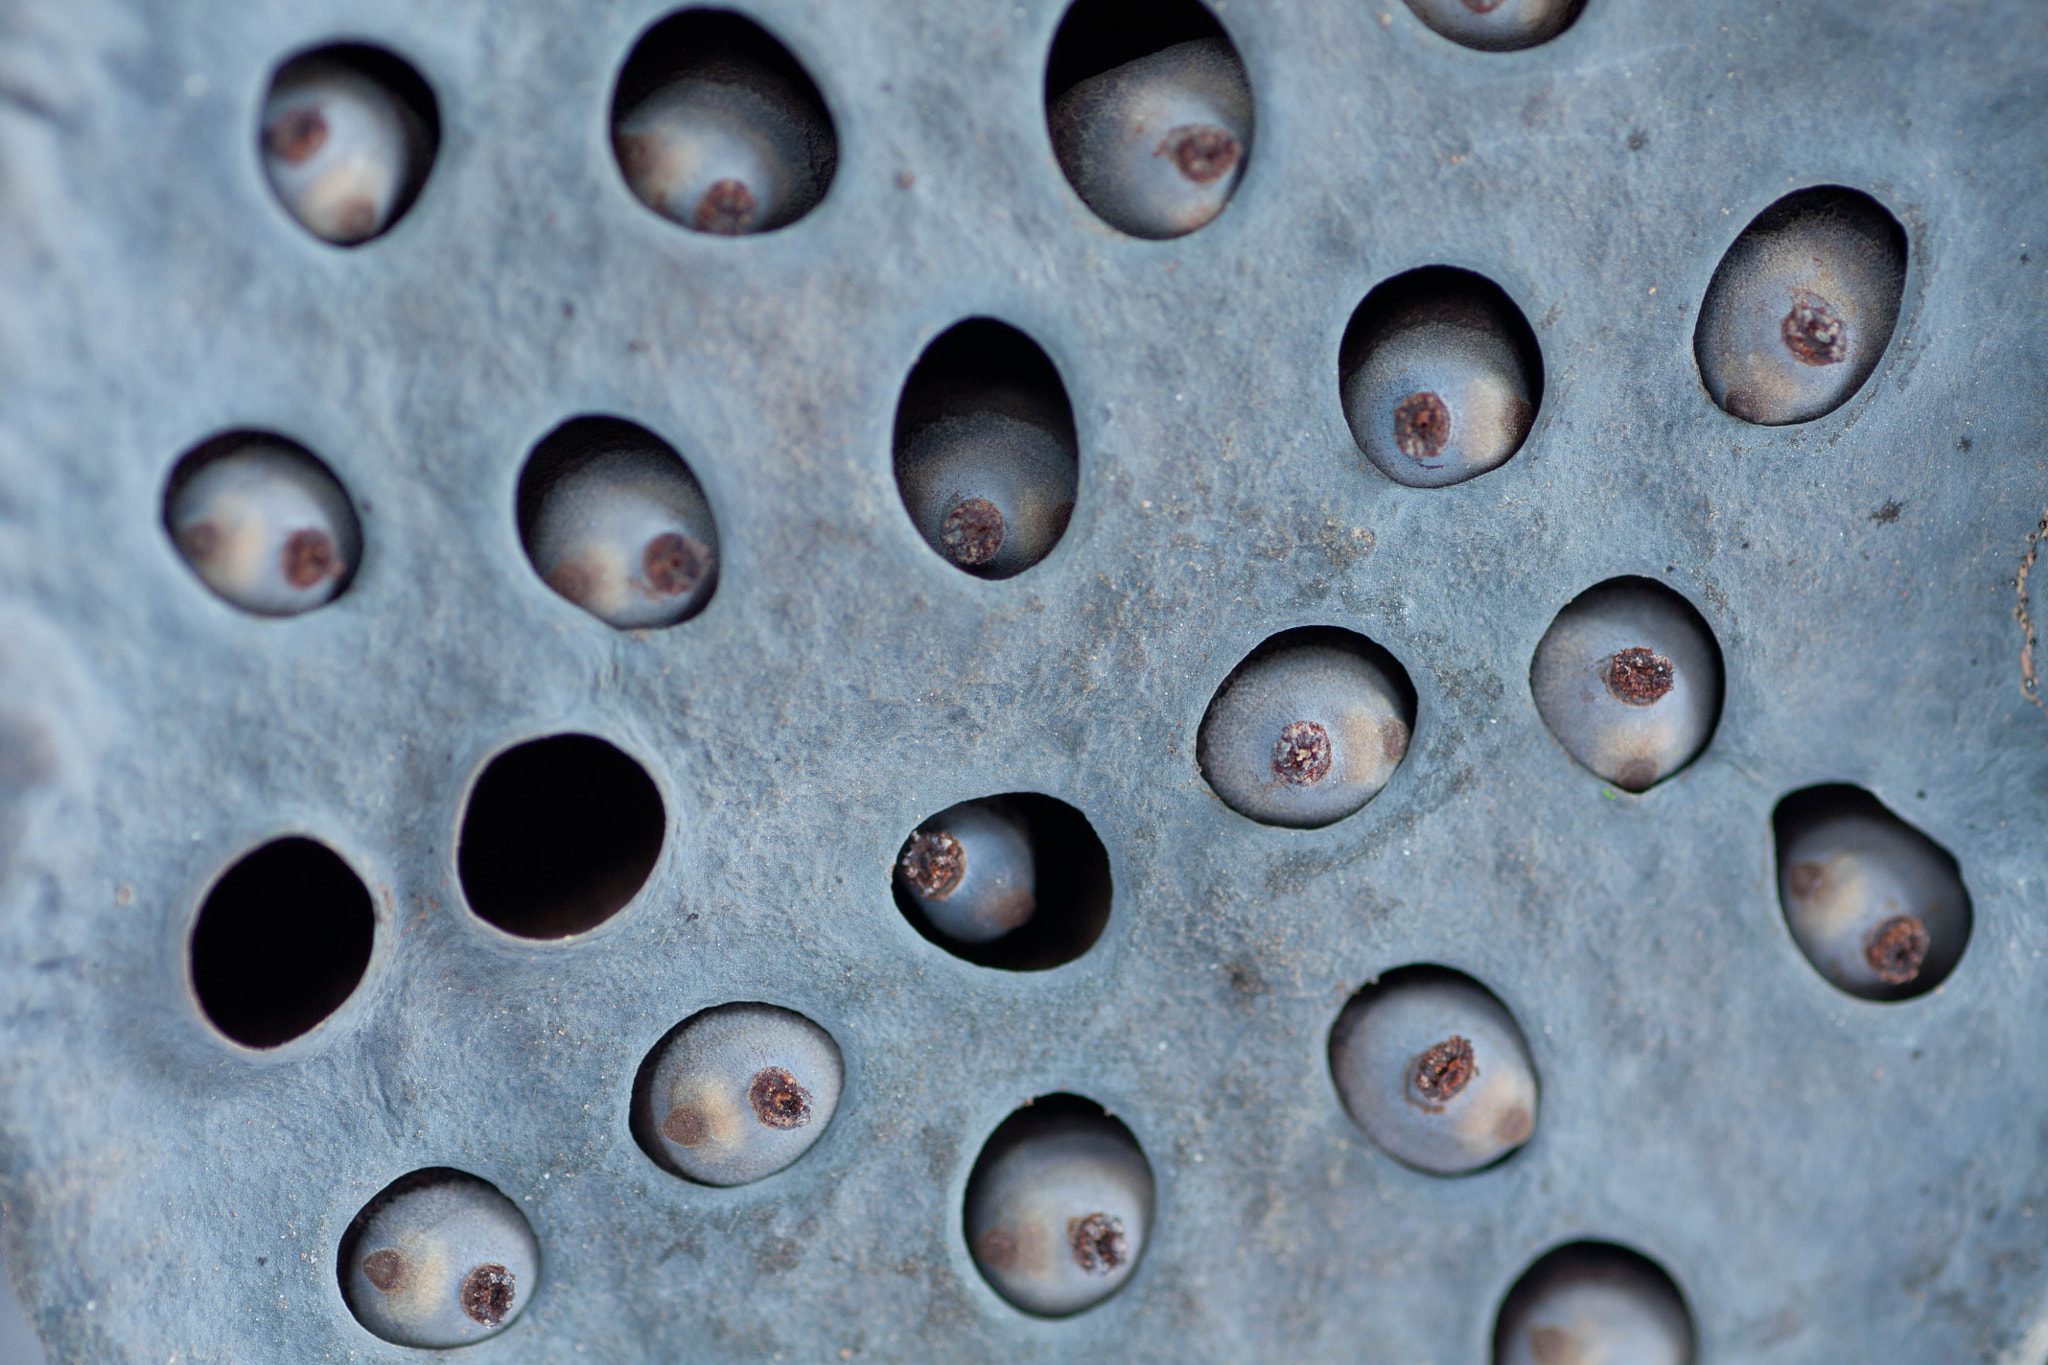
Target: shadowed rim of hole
pixel 1095 36
pixel 404 81
pixel 233 442
pixel 1073 889
pixel 280 942
pixel 558 834
pixel 1574 10
pixel 1589 1258
pixel 711 33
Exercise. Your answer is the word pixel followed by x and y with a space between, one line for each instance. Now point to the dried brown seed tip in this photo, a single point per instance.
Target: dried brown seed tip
pixel 673 564
pixel 779 1102
pixel 487 1294
pixel 294 138
pixel 685 1127
pixel 1444 1070
pixel 1808 880
pixel 199 541
pixel 1896 949
pixel 1639 677
pixel 1301 755
pixel 309 558
pixel 387 1269
pixel 972 533
pixel 1422 426
pixel 1203 152
pixel 997 1248
pixel 727 209
pixel 934 863
pixel 1812 331
pixel 1098 1242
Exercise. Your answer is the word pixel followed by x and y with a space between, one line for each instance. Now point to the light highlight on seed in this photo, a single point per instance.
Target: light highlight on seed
pixel 737 1093
pixel 263 524
pixel 1497 25
pixel 439 1259
pixel 1435 1070
pixel 1593 1304
pixel 1628 679
pixel 1156 146
pixel 344 151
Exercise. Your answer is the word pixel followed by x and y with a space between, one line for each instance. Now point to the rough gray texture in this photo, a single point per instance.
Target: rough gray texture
pixel 1825 1178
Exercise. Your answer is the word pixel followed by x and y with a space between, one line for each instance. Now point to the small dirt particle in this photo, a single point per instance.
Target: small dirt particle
pixel 294 138
pixel 1639 676
pixel 309 558
pixel 1888 513
pixel 726 209
pixel 779 1102
pixel 685 1127
pixel 1444 1070
pixel 487 1294
pixel 972 533
pixel 1203 152
pixel 388 1270
pixel 1896 949
pixel 1813 332
pixel 673 564
pixel 1301 756
pixel 1638 140
pixel 1098 1242
pixel 1422 426
pixel 933 863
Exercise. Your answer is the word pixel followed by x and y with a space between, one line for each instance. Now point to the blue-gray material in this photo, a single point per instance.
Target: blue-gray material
pixel 1825 1178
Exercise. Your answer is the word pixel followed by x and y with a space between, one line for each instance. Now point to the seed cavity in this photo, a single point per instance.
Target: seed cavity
pixel 294 138
pixel 1098 1242
pixel 1203 152
pixel 1422 426
pixel 972 532
pixel 1639 676
pixel 309 558
pixel 727 209
pixel 1444 1070
pixel 779 1102
pixel 673 564
pixel 487 1294
pixel 388 1270
pixel 1301 756
pixel 933 863
pixel 685 1127
pixel 1896 949
pixel 1813 332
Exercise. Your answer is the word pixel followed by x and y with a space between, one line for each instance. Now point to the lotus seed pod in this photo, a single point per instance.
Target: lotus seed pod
pixel 729 147
pixel 344 153
pixel 1303 733
pixel 1058 1211
pixel 440 1259
pixel 624 532
pixel 1435 1071
pixel 1155 146
pixel 1497 25
pixel 1590 1304
pixel 1437 391
pixel 969 869
pixel 1801 308
pixel 1629 680
pixel 738 1093
pixel 1876 906
pixel 989 490
pixel 264 525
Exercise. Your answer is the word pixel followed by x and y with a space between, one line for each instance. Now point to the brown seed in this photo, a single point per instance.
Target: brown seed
pixel 294 138
pixel 685 1127
pixel 309 558
pixel 1098 1242
pixel 934 863
pixel 1203 152
pixel 572 580
pixel 1301 755
pixel 1555 1346
pixel 1813 333
pixel 972 533
pixel 1639 677
pixel 997 1248
pixel 487 1294
pixel 727 209
pixel 673 564
pixel 1808 880
pixel 199 541
pixel 388 1270
pixel 779 1102
pixel 1444 1070
pixel 1896 949
pixel 1422 426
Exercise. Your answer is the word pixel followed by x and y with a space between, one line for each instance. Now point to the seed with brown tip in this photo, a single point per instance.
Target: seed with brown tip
pixel 1204 152
pixel 1896 948
pixel 727 208
pixel 778 1101
pixel 1098 1242
pixel 437 1259
pixel 1422 424
pixel 674 564
pixel 487 1293
pixel 1812 331
pixel 1639 676
pixel 970 873
pixel 1444 1070
pixel 1302 753
pixel 343 149
pixel 263 523
pixel 972 533
pixel 387 1269
pixel 933 863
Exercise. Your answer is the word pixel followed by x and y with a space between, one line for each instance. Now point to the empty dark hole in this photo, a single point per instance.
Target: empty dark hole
pixel 281 941
pixel 1441 287
pixel 559 835
pixel 397 75
pixel 1072 889
pixel 1098 35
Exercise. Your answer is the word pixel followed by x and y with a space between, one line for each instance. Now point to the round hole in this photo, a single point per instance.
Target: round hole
pixel 280 942
pixel 1435 1070
pixel 717 127
pixel 1441 377
pixel 1018 882
pixel 560 834
pixel 1497 25
pixel 1592 1301
pixel 1878 908
pixel 438 1258
pixel 1628 678
pixel 349 134
pixel 1307 729
pixel 263 523
pixel 986 458
pixel 613 520
pixel 1802 307
pixel 1059 1206
pixel 1150 113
